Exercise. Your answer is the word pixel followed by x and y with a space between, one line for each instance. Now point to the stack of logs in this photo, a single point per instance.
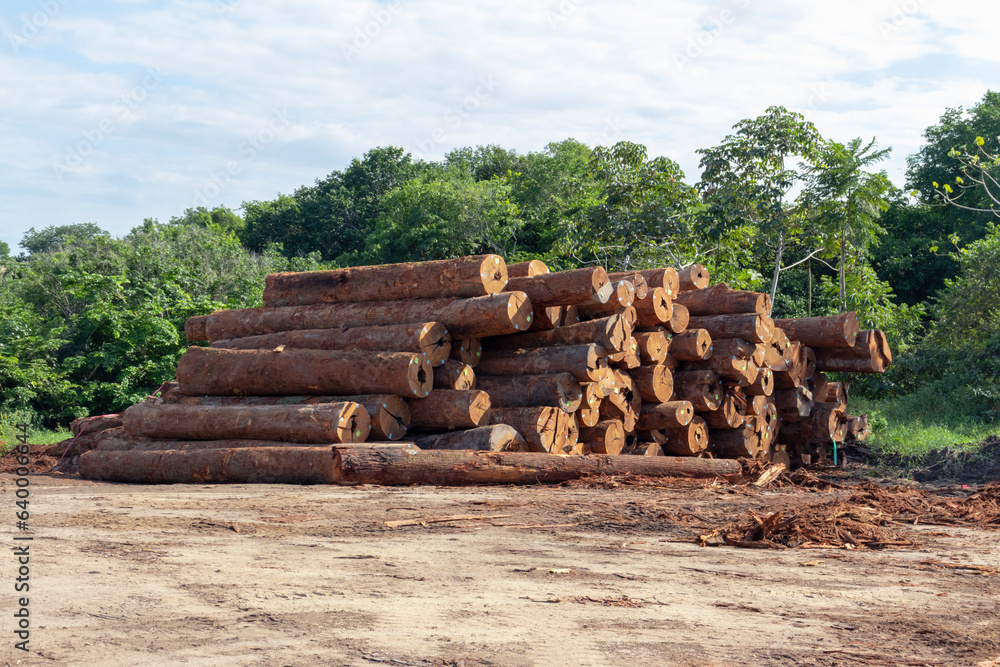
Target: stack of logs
pixel 473 354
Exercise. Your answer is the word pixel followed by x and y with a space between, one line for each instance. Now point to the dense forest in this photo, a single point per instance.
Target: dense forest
pixel 90 324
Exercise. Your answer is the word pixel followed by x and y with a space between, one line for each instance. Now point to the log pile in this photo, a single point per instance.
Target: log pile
pixel 342 372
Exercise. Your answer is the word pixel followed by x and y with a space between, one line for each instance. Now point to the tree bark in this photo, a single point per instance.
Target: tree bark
pixel 720 299
pixel 454 375
pixel 693 277
pixel 464 277
pixel 608 332
pixel 534 267
pixel 496 438
pixel 691 345
pixel 833 331
pixel 430 339
pixel 559 390
pixel 450 409
pixel 582 361
pixel 207 371
pixel 687 440
pixel 360 466
pixel 563 288
pixel 752 328
pixel 665 416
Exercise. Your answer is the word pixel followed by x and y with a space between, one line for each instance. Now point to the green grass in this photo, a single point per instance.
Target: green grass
pixel 915 425
pixel 8 437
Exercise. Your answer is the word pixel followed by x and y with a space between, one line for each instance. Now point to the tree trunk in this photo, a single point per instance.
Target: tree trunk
pixel 534 267
pixel 652 346
pixel 622 296
pixel 208 371
pixel 691 345
pixel 246 465
pixel 833 331
pixel 693 277
pixel 687 440
pixel 563 288
pixel 607 437
pixel 559 390
pixel 582 361
pixel 608 332
pixel 679 318
pixel 666 278
pixel 752 328
pixel 448 410
pixel 430 339
pixel 720 299
pixel 654 310
pixel 329 422
pixel 454 375
pixel 654 382
pixel 538 426
pixel 463 277
pixel 360 466
pixel 665 416
pixel 467 350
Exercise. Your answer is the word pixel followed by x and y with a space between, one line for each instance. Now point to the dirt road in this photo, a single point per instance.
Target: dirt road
pixel 282 575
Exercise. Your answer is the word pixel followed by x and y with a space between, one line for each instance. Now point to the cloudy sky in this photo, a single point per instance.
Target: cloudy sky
pixel 115 111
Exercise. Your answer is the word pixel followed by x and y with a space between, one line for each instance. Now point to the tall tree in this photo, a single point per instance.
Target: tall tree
pixel 746 179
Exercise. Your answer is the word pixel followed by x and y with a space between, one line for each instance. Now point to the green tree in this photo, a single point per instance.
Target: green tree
pixel 746 180
pixel 36 242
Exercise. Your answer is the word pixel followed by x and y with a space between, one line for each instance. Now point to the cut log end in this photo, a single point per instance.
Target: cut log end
pixel 519 311
pixel 435 343
pixel 494 273
pixel 420 376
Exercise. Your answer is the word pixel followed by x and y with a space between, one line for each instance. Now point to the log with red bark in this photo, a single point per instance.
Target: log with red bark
pixel 196 328
pixel 643 449
pixel 726 416
pixel 290 372
pixel 691 345
pixel 743 371
pixel 655 382
pixel 570 315
pixel 665 416
pixel 702 388
pixel 537 425
pixel 833 331
pixel 462 277
pixel 752 328
pixel 736 348
pixel 688 440
pixel 866 356
pixel 495 437
pixel 763 385
pixel 430 339
pixel 693 277
pixel 606 437
pixel 720 299
pixel 534 267
pixel 467 350
pixel 666 278
pixel 327 422
pixel 97 423
pixel 680 319
pixel 355 466
pixel 493 315
pixel 449 409
pixel 390 415
pixel 741 442
pixel 794 404
pixel 584 362
pixel 563 288
pixel 609 332
pixel 638 281
pixel 795 371
pixel 242 465
pixel 652 345
pixel 454 375
pixel 622 296
pixel 653 310
pixel 547 318
pixel 559 390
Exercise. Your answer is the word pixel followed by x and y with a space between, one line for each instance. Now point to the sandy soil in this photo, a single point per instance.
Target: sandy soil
pixel 284 575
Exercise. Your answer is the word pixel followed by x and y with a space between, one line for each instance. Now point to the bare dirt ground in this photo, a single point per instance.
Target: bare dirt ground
pixel 599 574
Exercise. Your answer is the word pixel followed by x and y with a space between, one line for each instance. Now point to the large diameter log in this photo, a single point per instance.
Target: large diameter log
pixel 679 318
pixel 568 438
pixel 795 372
pixel 330 422
pixel 720 299
pixel 743 371
pixel 665 416
pixel 493 315
pixel 691 345
pixel 644 449
pixel 864 357
pixel 116 441
pixel 693 277
pixel 195 328
pixel 454 375
pixel 752 328
pixel 666 278
pixel 639 284
pixel 763 385
pixel 208 371
pixel 547 318
pixel 735 347
pixel 495 438
pixel 390 416
pixel 430 339
pixel 622 296
pixel 734 443
pixel 655 383
pixel 655 309
pixel 570 315
pixel 563 288
pixel 834 392
pixel 368 466
pixel 467 350
pixel 534 267
pixel 609 332
pixel 537 425
pixel 652 346
pixel 702 388
pixel 607 437
pixel 687 440
pixel 833 331
pixel 583 362
pixel 450 409
pixel 559 390
pixel 247 465
pixel 726 416
pixel 462 277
